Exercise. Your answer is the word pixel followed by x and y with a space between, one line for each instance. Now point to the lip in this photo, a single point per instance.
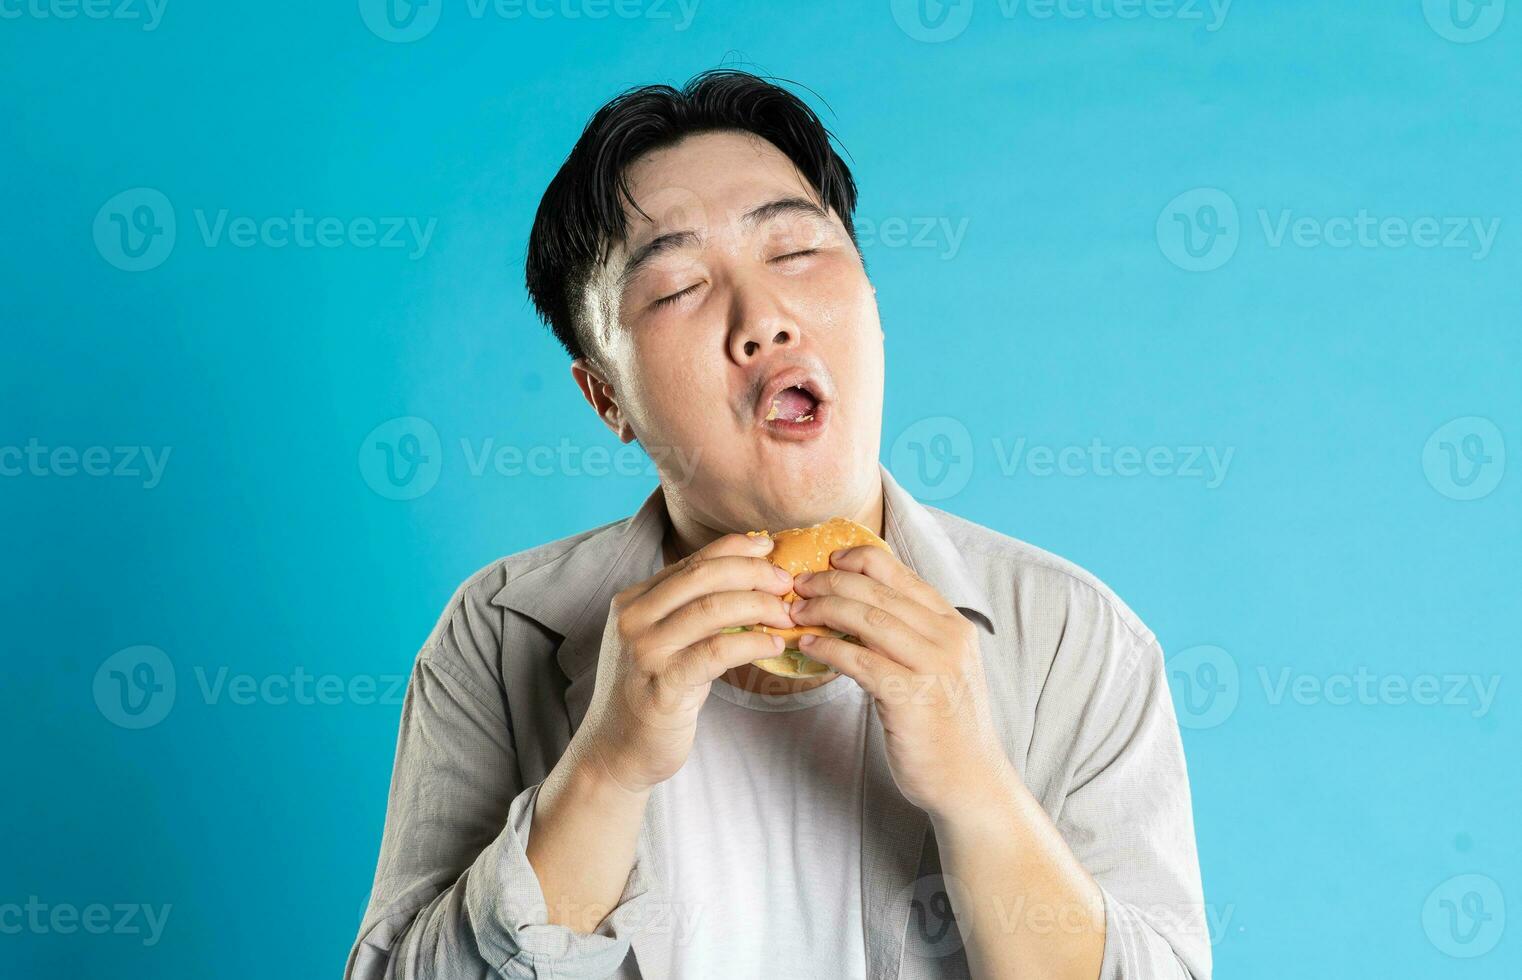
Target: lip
pixel 794 431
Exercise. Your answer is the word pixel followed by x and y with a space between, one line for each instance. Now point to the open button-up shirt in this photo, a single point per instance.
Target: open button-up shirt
pixel 1079 696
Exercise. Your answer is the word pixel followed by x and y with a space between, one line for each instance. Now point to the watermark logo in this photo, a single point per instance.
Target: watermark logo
pixel 404 21
pixel 1179 10
pixel 134 688
pixel 1363 686
pixel 39 918
pixel 401 459
pixel 135 230
pixel 1464 21
pixel 1198 231
pixel 934 930
pixel 1475 235
pixel 1465 458
pixel 150 12
pixel 939 234
pixel 932 21
pixel 1209 464
pixel 143 463
pixel 933 458
pixel 1465 916
pixel 1206 686
pixel 400 21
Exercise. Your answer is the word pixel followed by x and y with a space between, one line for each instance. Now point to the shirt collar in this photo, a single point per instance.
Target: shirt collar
pixel 570 594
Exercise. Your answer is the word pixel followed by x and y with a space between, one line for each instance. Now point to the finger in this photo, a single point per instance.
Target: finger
pixel 874 626
pixel 711 656
pixel 873 672
pixel 715 611
pixel 875 563
pixel 729 544
pixel 725 573
pixel 854 585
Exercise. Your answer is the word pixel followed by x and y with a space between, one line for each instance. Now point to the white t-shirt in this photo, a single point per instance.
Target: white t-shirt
pixel 763 824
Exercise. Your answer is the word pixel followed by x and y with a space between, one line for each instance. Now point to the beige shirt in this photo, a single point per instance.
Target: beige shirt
pixel 1080 701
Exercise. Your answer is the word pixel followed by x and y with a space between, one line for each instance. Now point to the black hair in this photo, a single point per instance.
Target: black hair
pixel 581 215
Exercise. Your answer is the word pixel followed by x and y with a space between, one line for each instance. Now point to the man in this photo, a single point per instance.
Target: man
pixel 592 780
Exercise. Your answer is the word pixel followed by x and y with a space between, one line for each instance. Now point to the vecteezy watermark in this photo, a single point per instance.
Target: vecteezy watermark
pixel 934 21
pixel 39 918
pixel 1475 235
pixel 668 917
pixel 1363 686
pixel 404 21
pixel 149 12
pixel 1465 458
pixel 1199 230
pixel 934 929
pixel 135 688
pixel 1464 21
pixel 145 463
pixel 1207 688
pixel 938 234
pixel 402 458
pixel 1018 914
pixel 1465 916
pixel 566 458
pixel 934 459
pixel 136 230
pixel 1097 458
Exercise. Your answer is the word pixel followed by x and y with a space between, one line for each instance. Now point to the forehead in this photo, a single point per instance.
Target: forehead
pixel 705 179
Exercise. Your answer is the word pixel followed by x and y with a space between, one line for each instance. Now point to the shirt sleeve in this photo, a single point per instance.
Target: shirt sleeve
pixel 454 894
pixel 1127 816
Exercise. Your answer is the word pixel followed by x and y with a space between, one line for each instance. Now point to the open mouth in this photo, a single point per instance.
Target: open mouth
pixel 796 404
pixel 793 405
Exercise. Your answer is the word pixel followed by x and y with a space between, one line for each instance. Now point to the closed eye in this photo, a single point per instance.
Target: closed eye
pixel 668 300
pixel 796 255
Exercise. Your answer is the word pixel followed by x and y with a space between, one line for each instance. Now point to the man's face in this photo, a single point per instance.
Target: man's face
pixel 736 277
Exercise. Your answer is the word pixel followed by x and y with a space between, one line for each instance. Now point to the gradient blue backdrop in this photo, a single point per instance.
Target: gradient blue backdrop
pixel 1059 308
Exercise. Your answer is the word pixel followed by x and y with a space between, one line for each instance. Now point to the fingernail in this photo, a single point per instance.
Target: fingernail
pixel 803 576
pixel 797 607
pixel 805 641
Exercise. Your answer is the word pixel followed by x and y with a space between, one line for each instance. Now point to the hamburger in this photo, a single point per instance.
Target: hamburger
pixel 807 549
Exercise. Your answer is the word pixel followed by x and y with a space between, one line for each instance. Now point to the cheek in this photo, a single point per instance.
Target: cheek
pixel 681 397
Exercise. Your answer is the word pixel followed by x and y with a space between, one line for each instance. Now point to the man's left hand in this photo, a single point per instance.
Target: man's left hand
pixel 919 660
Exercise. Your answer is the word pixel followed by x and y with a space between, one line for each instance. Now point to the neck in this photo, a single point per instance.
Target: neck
pixel 686 533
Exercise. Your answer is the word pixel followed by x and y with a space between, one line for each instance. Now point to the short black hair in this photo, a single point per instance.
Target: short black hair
pixel 581 215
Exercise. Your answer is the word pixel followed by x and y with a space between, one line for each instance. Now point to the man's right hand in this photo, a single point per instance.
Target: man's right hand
pixel 663 648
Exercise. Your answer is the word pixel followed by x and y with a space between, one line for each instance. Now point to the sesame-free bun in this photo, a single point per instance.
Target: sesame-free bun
pixel 807 549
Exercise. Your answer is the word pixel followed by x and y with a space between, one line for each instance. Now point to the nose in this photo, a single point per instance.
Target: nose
pixel 759 323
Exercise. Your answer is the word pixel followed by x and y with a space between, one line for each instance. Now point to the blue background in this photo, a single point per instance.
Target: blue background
pixel 1061 316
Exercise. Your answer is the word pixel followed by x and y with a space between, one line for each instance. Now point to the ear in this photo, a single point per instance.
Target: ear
pixel 600 395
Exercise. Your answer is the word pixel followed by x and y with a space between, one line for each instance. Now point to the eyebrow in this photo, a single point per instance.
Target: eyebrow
pixel 678 240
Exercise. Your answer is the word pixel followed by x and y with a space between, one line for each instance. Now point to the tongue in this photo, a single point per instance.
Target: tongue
pixel 793 404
